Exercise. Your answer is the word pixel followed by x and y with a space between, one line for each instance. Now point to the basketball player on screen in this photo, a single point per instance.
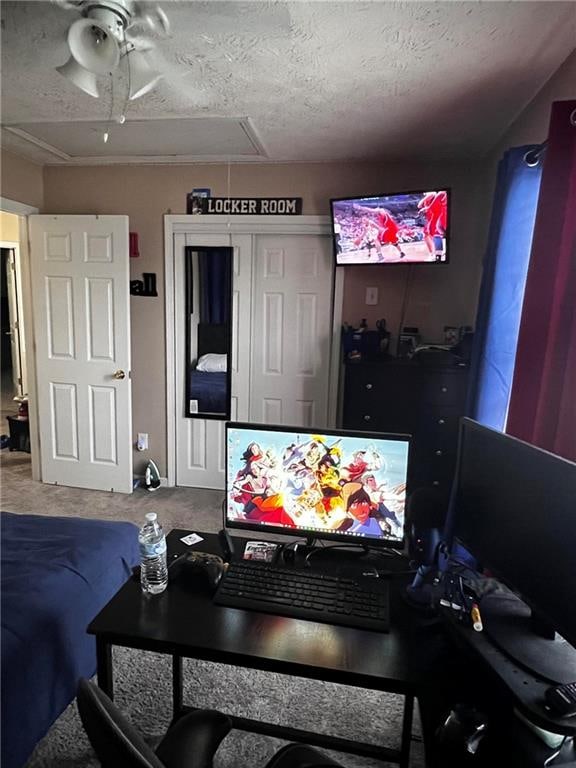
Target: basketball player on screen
pixel 388 229
pixel 434 206
pixel 368 238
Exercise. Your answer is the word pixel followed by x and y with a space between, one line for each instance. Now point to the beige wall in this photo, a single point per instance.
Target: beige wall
pixel 436 295
pixel 9 227
pixel 446 295
pixel 21 180
pixel 531 126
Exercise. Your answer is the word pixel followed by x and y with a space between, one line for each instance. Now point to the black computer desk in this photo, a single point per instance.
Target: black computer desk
pixel 434 660
pixel 499 685
pixel 187 625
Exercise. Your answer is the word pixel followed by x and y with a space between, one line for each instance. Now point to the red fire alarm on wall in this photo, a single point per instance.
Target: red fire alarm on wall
pixel 133 248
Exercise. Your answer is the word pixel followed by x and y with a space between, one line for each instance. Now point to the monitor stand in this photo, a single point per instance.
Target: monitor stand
pixel 508 623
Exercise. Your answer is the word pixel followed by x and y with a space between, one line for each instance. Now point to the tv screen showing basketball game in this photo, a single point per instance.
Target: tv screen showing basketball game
pixel 404 228
pixel 326 485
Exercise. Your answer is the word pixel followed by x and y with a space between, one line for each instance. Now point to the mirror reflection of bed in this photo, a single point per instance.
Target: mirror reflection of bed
pixel 209 378
pixel 208 306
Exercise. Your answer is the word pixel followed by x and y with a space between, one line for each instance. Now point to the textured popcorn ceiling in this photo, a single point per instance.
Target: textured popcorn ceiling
pixel 303 80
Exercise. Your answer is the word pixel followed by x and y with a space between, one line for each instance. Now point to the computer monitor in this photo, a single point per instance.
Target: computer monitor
pixel 514 509
pixel 327 484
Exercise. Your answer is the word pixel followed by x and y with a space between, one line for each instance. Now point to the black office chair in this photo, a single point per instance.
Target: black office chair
pixel 190 743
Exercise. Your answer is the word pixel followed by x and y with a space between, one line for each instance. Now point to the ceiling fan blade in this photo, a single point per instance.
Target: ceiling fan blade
pixel 151 20
pixel 69 5
pixel 139 42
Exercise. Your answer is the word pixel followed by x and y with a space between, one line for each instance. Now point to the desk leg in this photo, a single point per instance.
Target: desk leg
pixel 104 667
pixel 177 687
pixel 406 731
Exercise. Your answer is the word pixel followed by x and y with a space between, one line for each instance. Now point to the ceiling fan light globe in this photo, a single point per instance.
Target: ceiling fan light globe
pixel 93 46
pixel 142 77
pixel 81 77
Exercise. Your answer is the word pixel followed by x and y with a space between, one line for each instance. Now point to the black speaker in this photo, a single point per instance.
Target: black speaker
pixel 425 516
pixel 226 544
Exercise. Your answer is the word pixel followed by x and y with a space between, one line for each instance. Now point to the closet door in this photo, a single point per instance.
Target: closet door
pixel 292 329
pixel 200 448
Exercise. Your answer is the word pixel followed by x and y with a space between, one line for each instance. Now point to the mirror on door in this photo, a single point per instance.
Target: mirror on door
pixel 208 331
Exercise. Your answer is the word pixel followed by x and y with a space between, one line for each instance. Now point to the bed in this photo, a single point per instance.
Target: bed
pixel 208 387
pixel 57 573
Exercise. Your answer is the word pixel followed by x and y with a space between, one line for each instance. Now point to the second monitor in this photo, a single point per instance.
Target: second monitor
pixel 339 485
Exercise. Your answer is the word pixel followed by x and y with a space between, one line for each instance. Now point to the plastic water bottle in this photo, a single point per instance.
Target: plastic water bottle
pixel 153 566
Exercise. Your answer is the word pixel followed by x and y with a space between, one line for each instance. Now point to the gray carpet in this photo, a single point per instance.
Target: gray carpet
pixel 143 693
pixel 143 680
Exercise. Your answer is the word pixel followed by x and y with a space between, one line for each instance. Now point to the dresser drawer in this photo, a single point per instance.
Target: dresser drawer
pixel 434 465
pixel 444 388
pixel 430 476
pixel 406 398
pixel 362 412
pixel 438 425
pixel 379 398
pixel 359 400
pixel 374 420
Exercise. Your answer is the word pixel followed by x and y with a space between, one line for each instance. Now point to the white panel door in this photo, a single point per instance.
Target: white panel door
pixel 80 293
pixel 200 446
pixel 292 321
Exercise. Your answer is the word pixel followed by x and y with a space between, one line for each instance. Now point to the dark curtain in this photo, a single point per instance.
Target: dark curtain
pixel 502 288
pixel 214 276
pixel 543 400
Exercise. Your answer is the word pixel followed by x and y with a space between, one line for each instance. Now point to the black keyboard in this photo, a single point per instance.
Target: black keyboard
pixel 306 595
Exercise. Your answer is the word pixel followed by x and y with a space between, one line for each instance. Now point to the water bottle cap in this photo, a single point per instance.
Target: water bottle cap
pixel 151 516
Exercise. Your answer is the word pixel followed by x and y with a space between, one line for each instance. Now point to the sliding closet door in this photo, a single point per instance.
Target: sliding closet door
pixel 283 331
pixel 292 322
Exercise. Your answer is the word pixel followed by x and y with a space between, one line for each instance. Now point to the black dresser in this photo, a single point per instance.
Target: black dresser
pixel 424 399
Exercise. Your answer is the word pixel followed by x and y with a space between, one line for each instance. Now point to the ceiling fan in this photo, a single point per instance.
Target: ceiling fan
pixel 108 32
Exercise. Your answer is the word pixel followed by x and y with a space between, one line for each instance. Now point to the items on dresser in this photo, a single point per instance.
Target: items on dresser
pixel 422 397
pixel 408 341
pixel 363 343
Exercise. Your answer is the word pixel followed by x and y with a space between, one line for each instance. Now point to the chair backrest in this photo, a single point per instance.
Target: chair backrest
pixel 114 740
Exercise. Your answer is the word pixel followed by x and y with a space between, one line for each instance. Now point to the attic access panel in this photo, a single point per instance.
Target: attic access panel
pixel 202 136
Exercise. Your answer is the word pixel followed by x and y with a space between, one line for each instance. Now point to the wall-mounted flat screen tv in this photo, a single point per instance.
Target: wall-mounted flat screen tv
pixel 400 228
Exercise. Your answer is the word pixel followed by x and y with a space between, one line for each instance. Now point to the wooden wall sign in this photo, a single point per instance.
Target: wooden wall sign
pixel 252 206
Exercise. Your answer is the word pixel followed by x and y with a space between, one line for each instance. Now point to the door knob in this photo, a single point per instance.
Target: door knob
pixel 119 375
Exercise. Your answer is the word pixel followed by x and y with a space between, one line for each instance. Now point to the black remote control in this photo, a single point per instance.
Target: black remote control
pixel 561 699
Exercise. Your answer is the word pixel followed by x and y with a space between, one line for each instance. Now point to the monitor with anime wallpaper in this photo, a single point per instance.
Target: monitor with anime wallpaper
pixel 328 484
pixel 395 228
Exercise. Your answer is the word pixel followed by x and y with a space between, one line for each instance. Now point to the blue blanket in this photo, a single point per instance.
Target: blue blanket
pixel 210 390
pixel 57 573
